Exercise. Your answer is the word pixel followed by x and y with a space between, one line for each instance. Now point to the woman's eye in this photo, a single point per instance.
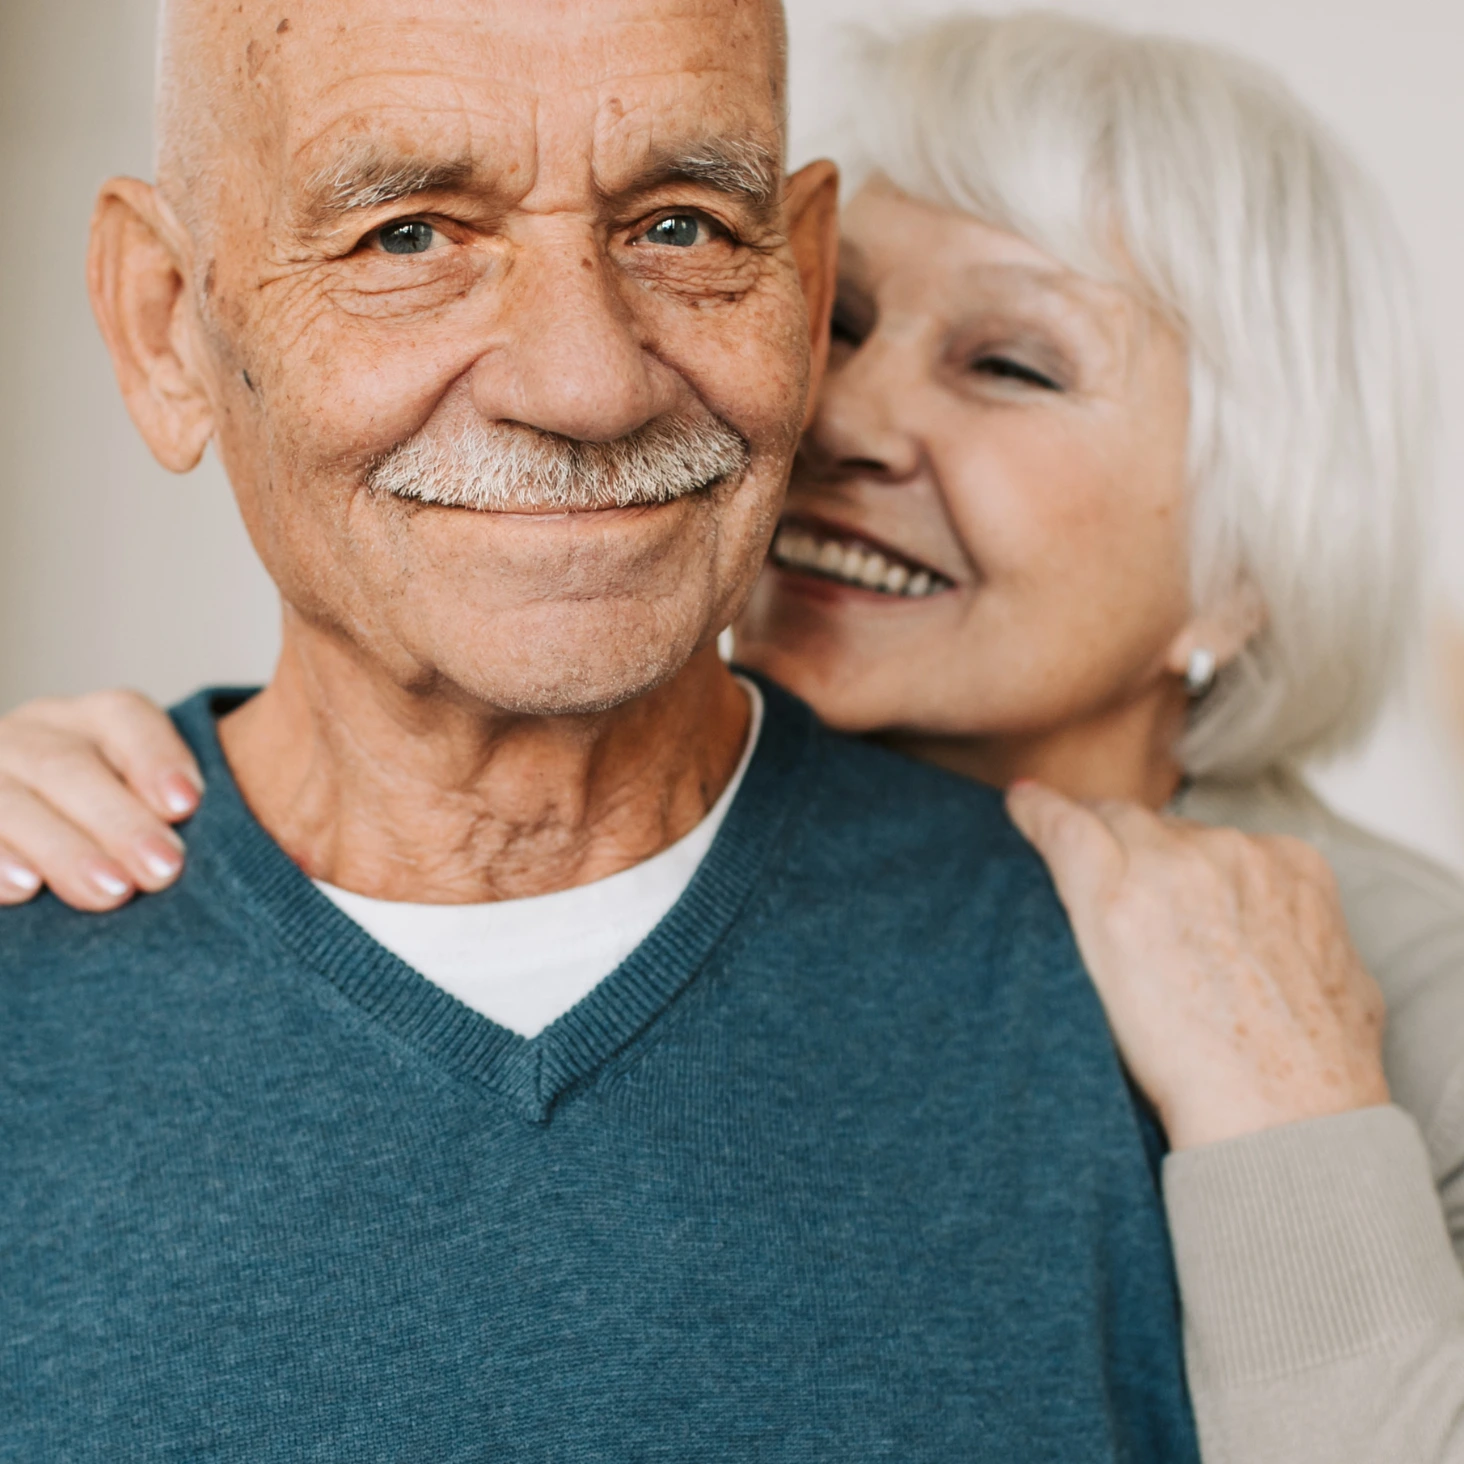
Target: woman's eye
pixel 412 237
pixel 1009 370
pixel 844 329
pixel 680 231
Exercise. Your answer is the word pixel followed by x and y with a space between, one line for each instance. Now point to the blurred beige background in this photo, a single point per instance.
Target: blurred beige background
pixel 111 571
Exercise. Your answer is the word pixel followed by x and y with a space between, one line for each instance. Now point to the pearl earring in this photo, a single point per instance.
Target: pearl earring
pixel 1199 674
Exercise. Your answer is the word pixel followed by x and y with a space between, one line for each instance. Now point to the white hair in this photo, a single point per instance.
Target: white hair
pixel 506 467
pixel 1258 236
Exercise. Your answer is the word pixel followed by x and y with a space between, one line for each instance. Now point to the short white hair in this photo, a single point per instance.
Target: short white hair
pixel 1257 235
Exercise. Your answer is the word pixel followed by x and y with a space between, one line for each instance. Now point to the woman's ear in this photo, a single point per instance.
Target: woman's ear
pixel 1224 630
pixel 813 231
pixel 136 274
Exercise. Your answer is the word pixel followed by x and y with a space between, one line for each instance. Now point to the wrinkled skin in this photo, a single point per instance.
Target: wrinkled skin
pixel 1022 430
pixel 1223 962
pixel 1056 508
pixel 471 703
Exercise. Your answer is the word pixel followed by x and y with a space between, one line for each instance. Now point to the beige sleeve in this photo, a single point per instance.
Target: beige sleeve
pixel 1323 1300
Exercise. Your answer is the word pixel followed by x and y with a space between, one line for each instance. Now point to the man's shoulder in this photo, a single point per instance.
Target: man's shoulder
pixel 892 857
pixel 53 958
pixel 47 932
pixel 883 806
pixel 905 915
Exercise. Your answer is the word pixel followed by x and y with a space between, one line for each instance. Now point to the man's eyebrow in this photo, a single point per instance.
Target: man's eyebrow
pixel 371 179
pixel 741 167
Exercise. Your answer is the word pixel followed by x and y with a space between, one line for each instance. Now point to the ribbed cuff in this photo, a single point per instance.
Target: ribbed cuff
pixel 1308 1243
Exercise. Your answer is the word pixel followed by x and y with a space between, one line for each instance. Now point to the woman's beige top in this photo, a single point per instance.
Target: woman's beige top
pixel 1320 1264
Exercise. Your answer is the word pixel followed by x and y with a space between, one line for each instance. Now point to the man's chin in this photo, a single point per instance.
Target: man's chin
pixel 572 672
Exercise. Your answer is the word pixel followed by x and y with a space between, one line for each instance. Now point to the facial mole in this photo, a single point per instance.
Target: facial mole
pixel 585 264
pixel 283 26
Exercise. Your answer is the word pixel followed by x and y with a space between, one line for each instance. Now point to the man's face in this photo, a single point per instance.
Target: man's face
pixel 459 215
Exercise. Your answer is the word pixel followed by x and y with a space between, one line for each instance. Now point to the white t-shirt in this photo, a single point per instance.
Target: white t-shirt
pixel 523 963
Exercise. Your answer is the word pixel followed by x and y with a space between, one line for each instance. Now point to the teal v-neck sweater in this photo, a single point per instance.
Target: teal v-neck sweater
pixel 838 1166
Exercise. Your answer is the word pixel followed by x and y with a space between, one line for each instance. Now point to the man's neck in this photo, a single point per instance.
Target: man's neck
pixel 436 799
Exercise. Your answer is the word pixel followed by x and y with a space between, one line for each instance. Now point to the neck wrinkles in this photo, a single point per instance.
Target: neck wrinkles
pixel 423 796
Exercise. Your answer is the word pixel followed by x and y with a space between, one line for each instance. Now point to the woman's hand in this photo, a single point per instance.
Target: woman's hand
pixel 88 789
pixel 1223 962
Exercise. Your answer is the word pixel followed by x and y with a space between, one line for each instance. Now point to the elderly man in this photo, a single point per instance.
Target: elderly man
pixel 557 1049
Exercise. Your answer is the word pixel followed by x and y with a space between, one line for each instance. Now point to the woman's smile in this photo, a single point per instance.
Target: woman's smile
pixel 816 556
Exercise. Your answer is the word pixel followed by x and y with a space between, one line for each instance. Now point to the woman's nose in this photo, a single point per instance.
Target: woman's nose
pixel 858 429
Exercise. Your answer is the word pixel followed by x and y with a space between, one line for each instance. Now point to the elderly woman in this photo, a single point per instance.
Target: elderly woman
pixel 1111 487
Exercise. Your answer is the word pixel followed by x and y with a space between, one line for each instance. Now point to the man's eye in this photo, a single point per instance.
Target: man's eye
pixel 1009 370
pixel 681 231
pixel 412 237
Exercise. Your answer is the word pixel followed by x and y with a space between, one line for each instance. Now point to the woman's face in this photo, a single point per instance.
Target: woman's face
pixel 985 535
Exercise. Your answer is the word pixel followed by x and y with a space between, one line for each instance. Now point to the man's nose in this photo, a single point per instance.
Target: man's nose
pixel 861 427
pixel 571 356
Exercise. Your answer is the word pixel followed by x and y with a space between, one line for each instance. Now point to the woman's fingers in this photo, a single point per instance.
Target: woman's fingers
pixel 62 753
pixel 1075 843
pixel 135 737
pixel 19 882
pixel 41 840
pixel 76 785
pixel 1223 962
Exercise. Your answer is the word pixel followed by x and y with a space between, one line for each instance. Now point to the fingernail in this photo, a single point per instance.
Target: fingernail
pixel 161 859
pixel 19 877
pixel 111 884
pixel 180 794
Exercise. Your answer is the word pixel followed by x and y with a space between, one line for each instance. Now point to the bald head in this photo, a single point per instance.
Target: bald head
pixel 387 228
pixel 226 70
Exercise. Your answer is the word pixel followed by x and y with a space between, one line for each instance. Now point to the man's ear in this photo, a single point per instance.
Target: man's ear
pixel 136 276
pixel 1223 630
pixel 813 231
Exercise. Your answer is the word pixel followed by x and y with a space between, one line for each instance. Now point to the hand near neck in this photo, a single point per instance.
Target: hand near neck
pixel 426 795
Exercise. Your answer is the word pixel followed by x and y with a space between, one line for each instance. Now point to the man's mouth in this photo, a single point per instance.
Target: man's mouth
pixel 850 559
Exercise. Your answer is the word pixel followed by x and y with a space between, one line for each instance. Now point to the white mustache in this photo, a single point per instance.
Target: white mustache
pixel 508 467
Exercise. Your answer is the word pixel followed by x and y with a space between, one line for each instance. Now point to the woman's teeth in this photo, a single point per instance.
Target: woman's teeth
pixel 853 564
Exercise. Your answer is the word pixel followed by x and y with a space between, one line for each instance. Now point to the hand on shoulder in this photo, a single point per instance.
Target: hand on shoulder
pixel 89 787
pixel 1223 962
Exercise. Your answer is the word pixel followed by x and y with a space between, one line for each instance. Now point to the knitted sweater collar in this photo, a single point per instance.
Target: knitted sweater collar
pixel 262 886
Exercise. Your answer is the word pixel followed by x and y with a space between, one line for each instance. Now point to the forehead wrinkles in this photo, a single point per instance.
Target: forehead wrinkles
pixel 360 154
pixel 640 99
pixel 557 137
pixel 726 146
pixel 405 89
pixel 484 82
